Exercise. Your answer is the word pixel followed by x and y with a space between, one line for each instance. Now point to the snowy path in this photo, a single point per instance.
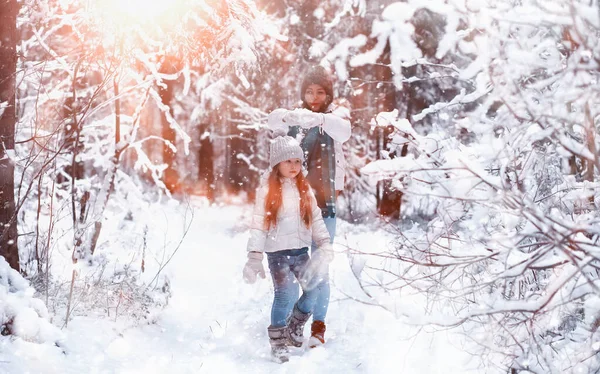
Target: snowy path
pixel 215 323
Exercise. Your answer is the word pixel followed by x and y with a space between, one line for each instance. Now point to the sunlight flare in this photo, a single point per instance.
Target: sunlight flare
pixel 124 13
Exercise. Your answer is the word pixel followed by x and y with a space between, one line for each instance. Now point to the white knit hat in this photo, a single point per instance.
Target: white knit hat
pixel 284 148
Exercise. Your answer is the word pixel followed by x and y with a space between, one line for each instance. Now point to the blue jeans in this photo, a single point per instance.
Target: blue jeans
pixel 285 269
pixel 323 289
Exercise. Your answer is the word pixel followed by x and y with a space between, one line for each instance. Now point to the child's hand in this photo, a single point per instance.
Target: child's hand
pixel 253 267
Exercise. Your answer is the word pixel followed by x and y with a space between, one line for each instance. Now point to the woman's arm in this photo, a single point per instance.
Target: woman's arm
pixel 337 127
pixel 334 124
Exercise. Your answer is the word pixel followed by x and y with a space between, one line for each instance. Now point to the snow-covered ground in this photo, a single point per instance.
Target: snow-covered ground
pixel 215 323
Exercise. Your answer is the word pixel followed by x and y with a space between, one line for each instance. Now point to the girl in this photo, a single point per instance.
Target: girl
pixel 322 128
pixel 286 220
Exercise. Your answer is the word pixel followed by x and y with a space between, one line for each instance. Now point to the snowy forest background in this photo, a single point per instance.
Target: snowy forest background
pixel 474 145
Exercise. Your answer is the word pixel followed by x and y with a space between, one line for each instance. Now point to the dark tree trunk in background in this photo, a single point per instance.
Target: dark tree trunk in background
pixel 241 177
pixel 374 92
pixel 71 132
pixel 206 173
pixel 171 176
pixel 8 68
pixel 308 28
pixel 389 199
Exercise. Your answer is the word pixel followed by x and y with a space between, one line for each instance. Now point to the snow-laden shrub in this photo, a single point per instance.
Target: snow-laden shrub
pixel 21 314
pixel 510 256
pixel 500 232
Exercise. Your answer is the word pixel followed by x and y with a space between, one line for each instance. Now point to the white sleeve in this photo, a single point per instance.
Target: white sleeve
pixel 320 234
pixel 258 235
pixel 337 127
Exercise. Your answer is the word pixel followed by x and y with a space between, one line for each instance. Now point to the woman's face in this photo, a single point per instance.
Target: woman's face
pixel 290 168
pixel 315 96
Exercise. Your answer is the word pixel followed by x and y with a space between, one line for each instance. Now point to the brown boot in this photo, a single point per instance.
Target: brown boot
pixel 278 338
pixel 317 334
pixel 296 324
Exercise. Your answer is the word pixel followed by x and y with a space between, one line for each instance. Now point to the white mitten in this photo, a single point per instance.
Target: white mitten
pixel 304 118
pixel 253 267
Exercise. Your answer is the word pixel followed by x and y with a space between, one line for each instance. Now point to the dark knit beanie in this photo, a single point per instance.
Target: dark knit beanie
pixel 318 75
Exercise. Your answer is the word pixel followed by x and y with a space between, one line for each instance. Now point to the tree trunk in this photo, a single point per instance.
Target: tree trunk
pixel 309 28
pixel 8 68
pixel 206 174
pixel 171 176
pixel 390 199
pixel 240 176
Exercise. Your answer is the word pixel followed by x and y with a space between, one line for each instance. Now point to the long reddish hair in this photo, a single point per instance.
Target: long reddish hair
pixel 274 199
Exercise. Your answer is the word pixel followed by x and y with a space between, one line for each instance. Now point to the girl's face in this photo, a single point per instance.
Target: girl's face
pixel 315 96
pixel 290 168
